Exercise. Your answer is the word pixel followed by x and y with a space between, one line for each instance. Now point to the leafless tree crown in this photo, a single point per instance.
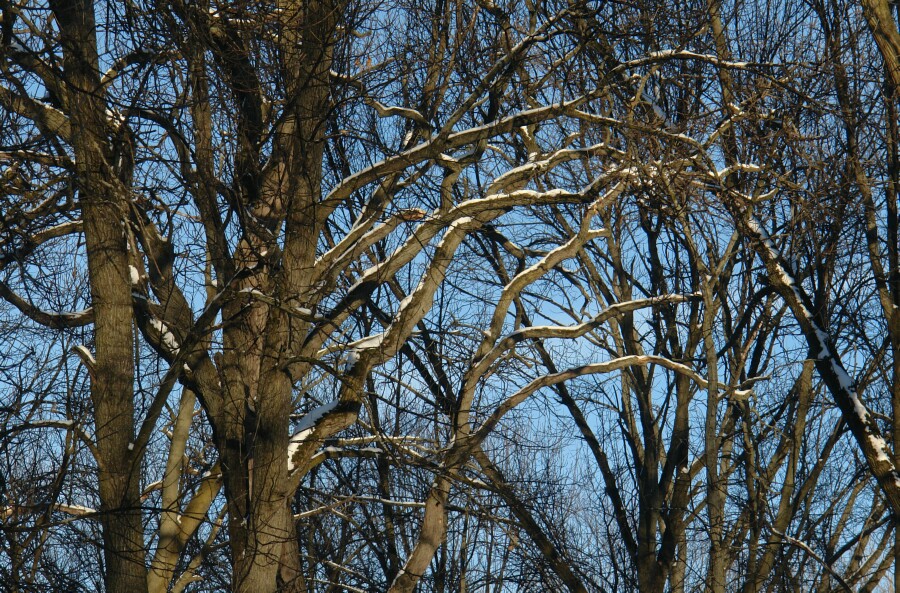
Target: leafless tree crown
pixel 455 295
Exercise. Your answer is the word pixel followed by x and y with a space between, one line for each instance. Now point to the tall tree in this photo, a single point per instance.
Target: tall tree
pixel 398 296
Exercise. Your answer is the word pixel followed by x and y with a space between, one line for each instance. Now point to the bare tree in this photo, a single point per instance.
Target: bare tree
pixel 397 296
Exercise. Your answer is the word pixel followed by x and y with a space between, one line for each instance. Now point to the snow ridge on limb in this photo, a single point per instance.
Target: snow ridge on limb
pixel 432 148
pixel 86 357
pixel 456 222
pixel 842 387
pixel 592 369
pixel 530 274
pixel 50 120
pixel 73 510
pixel 539 332
pixel 51 319
pixel 305 429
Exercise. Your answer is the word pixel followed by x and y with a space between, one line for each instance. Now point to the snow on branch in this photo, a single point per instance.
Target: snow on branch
pixel 457 222
pixel 431 149
pixel 538 332
pixel 384 111
pixel 66 228
pixel 842 387
pixel 166 338
pixel 594 369
pixel 552 259
pixel 86 357
pixel 48 118
pixel 305 429
pixel 340 453
pixel 655 57
pixel 73 510
pixel 516 177
pixel 46 318
pixel 358 240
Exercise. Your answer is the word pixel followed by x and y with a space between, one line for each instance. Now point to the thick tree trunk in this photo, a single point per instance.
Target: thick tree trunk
pixel 266 554
pixel 104 210
pixel 887 37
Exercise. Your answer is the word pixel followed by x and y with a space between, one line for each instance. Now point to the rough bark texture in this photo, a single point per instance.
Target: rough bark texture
pixel 104 209
pixel 884 29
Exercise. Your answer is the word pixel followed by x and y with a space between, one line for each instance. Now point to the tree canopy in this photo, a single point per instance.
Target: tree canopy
pixel 463 295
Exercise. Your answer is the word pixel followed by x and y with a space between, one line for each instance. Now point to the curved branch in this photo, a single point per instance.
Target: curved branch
pixel 46 318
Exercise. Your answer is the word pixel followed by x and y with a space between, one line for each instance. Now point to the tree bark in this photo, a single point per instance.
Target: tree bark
pixel 104 210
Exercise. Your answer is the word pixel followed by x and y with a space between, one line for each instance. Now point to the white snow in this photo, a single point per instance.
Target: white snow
pixel 115 117
pixel 824 352
pixel 305 428
pixel 845 381
pixel 373 341
pixel 131 446
pixel 74 509
pixel 85 354
pixel 787 278
pixel 880 448
pixel 658 111
pixel 861 412
pixel 310 418
pixel 168 338
pixel 352 359
pixel 465 220
pixel 135 276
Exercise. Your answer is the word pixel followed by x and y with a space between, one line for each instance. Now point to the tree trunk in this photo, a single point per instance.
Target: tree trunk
pixel 104 210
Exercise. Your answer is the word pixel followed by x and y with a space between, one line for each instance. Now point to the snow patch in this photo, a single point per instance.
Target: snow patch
pixel 465 220
pixel 135 276
pixel 352 359
pixel 305 429
pixel 824 351
pixel 85 354
pixel 880 448
pixel 373 341
pixel 858 408
pixel 310 418
pixel 115 117
pixel 168 338
pixel 17 47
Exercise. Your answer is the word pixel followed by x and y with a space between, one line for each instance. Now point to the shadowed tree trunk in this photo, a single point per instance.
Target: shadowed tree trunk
pixel 105 210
